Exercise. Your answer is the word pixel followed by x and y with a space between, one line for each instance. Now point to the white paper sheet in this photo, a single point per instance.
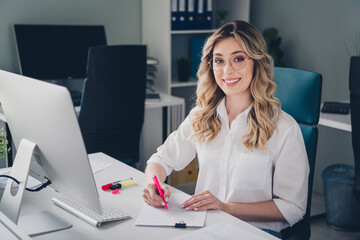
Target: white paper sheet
pixel 220 231
pixel 151 216
pixel 97 166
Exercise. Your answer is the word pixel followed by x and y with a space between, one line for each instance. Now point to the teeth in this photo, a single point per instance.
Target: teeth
pixel 231 81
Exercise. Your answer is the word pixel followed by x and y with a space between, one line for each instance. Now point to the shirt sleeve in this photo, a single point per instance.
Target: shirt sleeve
pixel 178 150
pixel 291 174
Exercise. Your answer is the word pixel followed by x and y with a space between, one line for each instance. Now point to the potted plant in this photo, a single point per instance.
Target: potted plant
pixel 183 69
pixel 222 15
pixel 273 41
pixel 3 143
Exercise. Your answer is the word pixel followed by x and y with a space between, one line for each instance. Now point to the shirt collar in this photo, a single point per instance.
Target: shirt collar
pixel 221 110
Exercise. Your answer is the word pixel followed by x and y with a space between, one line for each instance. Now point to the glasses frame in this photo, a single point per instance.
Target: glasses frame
pixel 210 65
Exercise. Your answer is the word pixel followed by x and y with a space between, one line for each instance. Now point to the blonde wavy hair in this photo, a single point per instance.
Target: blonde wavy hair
pixel 266 108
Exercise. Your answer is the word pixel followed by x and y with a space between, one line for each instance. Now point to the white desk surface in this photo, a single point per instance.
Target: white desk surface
pixel 337 121
pixel 129 200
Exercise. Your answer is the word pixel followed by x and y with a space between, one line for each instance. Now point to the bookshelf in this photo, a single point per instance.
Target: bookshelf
pixel 168 45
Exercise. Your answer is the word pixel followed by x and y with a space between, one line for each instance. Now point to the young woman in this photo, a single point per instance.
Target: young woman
pixel 252 158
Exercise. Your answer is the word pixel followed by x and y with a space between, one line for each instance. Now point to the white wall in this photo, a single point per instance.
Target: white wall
pixel 121 19
pixel 314 34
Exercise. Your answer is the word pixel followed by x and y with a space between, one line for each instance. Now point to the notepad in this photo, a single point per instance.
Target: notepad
pixel 175 215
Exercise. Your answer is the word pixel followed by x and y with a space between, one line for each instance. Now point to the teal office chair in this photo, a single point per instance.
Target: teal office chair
pixel 300 94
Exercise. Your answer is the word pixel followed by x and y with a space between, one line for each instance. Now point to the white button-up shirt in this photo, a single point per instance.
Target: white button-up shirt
pixel 234 174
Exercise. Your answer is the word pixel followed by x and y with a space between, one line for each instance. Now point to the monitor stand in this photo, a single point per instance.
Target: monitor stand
pixel 10 205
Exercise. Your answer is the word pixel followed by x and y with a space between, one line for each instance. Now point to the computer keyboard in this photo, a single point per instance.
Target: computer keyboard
pixel 336 107
pixel 110 214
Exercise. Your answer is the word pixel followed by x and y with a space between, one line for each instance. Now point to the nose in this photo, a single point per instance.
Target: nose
pixel 228 67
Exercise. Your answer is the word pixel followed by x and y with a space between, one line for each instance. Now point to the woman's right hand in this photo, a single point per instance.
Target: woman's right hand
pixel 152 197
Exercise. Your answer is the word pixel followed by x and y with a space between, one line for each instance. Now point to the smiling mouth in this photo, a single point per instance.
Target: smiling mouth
pixel 231 81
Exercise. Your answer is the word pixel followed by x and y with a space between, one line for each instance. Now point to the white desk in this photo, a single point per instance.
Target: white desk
pixel 129 200
pixel 334 145
pixel 9 230
pixel 153 131
pixel 337 121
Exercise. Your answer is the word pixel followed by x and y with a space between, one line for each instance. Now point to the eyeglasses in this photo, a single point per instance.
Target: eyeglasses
pixel 236 62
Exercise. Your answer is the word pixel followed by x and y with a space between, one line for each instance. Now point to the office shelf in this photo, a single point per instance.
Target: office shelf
pixel 168 45
pixel 193 31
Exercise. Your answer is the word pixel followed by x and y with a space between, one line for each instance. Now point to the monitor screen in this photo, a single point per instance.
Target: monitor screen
pixel 52 125
pixel 51 52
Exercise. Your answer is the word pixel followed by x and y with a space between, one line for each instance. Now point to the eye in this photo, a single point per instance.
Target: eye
pixel 239 59
pixel 218 61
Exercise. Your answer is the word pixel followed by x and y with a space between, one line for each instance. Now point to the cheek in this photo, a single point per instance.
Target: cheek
pixel 217 76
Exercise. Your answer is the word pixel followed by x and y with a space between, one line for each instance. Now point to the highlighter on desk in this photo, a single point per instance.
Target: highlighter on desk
pixel 122 184
pixel 107 186
pixel 156 182
pixel 118 186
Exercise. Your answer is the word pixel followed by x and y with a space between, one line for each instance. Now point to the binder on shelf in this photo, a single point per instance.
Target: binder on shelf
pixel 196 45
pixel 181 15
pixel 190 15
pixel 208 14
pixel 200 15
pixel 174 15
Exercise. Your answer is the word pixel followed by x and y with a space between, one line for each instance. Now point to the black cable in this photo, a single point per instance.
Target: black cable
pixel 43 185
pixel 14 179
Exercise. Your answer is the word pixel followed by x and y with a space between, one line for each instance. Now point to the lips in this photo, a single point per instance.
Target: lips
pixel 231 81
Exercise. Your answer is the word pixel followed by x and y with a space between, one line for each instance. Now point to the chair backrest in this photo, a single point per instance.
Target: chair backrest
pixel 300 94
pixel 354 86
pixel 112 106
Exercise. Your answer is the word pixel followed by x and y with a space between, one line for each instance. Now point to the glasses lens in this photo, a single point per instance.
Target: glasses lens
pixel 217 64
pixel 238 62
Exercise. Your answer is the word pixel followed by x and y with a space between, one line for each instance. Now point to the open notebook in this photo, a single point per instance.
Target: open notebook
pixel 175 216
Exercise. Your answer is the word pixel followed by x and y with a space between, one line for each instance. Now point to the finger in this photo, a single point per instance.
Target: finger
pixel 147 201
pixel 166 192
pixel 146 197
pixel 196 205
pixel 153 193
pixel 210 203
pixel 195 199
pixel 154 199
pixel 204 207
pixel 154 203
pixel 191 199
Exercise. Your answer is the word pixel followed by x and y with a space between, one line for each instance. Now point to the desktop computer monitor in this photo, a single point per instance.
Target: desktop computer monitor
pixel 56 52
pixel 43 114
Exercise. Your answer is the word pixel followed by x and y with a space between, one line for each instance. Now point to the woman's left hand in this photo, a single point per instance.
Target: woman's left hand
pixel 203 201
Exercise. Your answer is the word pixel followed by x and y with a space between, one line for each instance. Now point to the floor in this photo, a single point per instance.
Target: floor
pixel 319 228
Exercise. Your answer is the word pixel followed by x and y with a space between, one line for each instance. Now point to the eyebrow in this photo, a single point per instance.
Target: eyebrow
pixel 233 53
